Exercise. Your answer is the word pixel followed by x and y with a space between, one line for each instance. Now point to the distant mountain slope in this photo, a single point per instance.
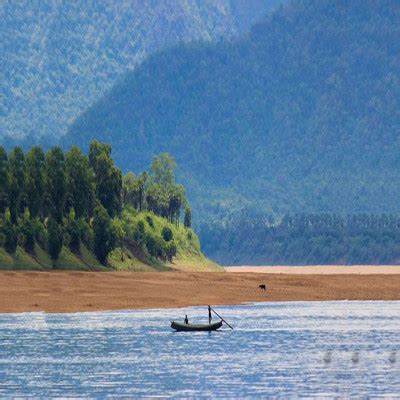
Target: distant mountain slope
pixel 59 56
pixel 301 115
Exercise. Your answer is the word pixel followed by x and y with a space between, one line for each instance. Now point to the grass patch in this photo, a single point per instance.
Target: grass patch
pixel 195 262
pixel 69 261
pixel 6 261
pixel 43 258
pixel 89 259
pixel 24 261
pixel 131 263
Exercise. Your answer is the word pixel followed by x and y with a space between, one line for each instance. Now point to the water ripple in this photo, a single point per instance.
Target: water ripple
pixel 282 350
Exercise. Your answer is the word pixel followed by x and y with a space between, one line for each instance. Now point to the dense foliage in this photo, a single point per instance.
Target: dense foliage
pixel 301 115
pixel 53 199
pixel 57 57
pixel 308 239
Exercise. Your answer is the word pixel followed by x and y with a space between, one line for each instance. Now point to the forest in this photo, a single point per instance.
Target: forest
pixel 283 119
pixel 53 199
pixel 307 239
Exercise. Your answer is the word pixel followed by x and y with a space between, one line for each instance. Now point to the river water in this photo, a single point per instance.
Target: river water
pixel 285 350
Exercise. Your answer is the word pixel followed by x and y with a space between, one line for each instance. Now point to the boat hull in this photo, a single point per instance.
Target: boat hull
pixel 195 328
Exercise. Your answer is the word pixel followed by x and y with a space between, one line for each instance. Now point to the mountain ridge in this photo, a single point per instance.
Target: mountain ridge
pixel 59 56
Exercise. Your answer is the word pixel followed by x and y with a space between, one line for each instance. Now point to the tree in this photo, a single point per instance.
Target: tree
pixel 74 231
pixel 56 180
pixel 10 233
pixel 162 170
pixel 187 222
pixel 128 189
pixel 27 229
pixel 133 190
pixel 95 150
pixel 108 178
pixel 80 181
pixel 55 238
pixel 119 231
pixel 104 234
pixel 177 199
pixel 16 163
pixel 171 250
pixel 35 179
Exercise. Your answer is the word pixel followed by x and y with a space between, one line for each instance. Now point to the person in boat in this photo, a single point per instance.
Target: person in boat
pixel 209 315
pixel 186 320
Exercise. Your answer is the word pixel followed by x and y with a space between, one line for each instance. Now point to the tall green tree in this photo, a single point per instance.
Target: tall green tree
pixel 35 179
pixel 17 175
pixel 74 231
pixel 55 238
pixel 105 238
pixel 128 189
pixel 10 233
pixel 95 149
pixel 56 180
pixel 187 221
pixel 108 183
pixel 27 229
pixel 162 170
pixel 80 181
pixel 134 190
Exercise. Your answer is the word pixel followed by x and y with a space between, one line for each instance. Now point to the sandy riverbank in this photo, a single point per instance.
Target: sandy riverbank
pixel 89 291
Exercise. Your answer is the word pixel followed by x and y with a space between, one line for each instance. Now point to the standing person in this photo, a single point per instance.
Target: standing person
pixel 186 320
pixel 209 315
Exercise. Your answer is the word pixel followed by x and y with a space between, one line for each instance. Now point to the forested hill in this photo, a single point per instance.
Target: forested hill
pixel 71 211
pixel 300 115
pixel 57 57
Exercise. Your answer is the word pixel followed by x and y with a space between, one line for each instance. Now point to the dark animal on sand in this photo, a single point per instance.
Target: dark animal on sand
pixel 262 287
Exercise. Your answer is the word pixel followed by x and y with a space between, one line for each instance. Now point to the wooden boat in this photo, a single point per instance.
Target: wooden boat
pixel 182 327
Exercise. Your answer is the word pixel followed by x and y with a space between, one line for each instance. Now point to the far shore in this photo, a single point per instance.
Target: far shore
pixel 72 291
pixel 319 269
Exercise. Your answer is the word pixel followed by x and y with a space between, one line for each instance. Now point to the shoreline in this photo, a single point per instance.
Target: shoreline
pixel 318 269
pixel 73 291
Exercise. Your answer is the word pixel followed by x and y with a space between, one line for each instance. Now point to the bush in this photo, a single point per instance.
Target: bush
pixel 105 238
pixel 150 221
pixel 171 250
pixel 167 234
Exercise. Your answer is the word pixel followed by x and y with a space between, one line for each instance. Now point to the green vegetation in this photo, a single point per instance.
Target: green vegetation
pixel 301 115
pixel 58 57
pixel 69 211
pixel 308 239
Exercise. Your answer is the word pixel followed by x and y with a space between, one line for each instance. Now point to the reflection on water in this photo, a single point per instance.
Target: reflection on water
pixel 296 349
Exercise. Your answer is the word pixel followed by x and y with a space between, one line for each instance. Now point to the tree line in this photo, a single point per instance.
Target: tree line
pixel 58 198
pixel 306 239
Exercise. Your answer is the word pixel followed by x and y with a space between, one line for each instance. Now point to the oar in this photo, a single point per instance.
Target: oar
pixel 220 317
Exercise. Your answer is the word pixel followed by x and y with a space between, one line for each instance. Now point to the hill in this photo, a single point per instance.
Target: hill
pixel 74 211
pixel 58 57
pixel 300 115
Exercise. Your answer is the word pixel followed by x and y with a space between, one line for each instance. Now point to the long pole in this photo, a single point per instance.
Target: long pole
pixel 219 316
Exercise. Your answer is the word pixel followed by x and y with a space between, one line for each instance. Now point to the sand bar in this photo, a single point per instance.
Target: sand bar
pixel 320 269
pixel 89 291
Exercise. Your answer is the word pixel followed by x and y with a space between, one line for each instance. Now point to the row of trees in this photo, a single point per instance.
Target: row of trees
pixel 308 239
pixel 57 198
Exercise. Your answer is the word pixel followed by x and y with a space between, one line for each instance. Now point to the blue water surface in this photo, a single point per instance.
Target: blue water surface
pixel 283 350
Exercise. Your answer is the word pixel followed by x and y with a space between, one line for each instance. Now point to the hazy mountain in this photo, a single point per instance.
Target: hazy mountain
pixel 303 114
pixel 59 56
